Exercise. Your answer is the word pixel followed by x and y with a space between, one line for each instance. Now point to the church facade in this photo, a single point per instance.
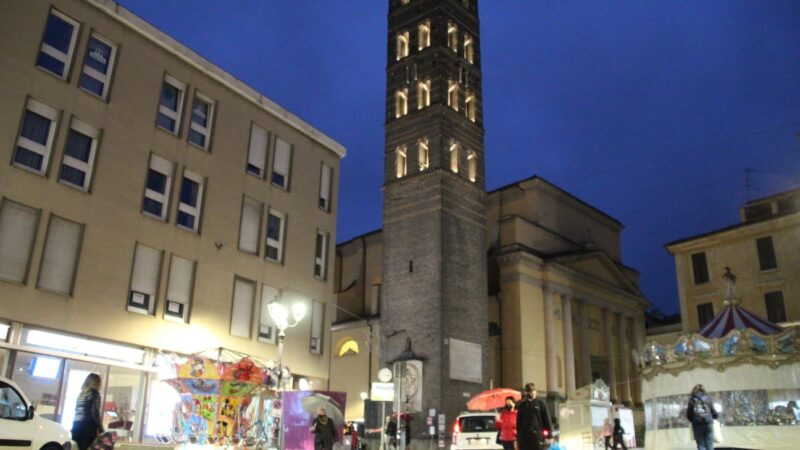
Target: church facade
pixel 521 284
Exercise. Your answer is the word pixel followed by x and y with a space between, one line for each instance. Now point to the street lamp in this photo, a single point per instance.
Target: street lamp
pixel 280 316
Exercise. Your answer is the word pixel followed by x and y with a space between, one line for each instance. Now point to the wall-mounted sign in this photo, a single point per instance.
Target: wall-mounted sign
pixel 382 392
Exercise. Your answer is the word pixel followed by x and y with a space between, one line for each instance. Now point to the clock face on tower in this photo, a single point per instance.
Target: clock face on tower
pixel 411 380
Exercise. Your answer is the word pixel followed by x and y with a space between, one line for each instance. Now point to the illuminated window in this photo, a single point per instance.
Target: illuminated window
pixel 424 158
pixel 404 2
pixel 470 107
pixel 424 34
pixel 402 45
pixel 452 36
pixel 401 103
pixel 423 94
pixel 400 162
pixel 469 48
pixel 472 165
pixel 454 156
pixel 349 347
pixel 452 94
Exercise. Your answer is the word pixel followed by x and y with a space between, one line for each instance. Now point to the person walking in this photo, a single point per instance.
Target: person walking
pixel 608 433
pixel 324 431
pixel 533 420
pixel 390 432
pixel 88 421
pixel 506 423
pixel 701 414
pixel 619 435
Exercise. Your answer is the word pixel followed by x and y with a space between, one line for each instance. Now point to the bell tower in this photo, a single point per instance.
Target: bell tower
pixel 434 292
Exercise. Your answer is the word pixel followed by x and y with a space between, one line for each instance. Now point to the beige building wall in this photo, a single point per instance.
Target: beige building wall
pixel 111 212
pixel 735 247
pixel 355 372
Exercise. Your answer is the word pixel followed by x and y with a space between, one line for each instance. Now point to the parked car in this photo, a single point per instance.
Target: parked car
pixel 22 429
pixel 475 431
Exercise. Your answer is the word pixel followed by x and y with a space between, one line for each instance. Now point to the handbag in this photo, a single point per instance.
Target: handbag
pixel 497 440
pixel 716 429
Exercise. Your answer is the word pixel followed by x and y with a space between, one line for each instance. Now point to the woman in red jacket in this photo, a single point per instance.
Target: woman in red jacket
pixel 507 425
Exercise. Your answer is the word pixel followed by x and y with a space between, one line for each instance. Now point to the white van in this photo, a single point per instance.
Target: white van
pixel 475 431
pixel 22 429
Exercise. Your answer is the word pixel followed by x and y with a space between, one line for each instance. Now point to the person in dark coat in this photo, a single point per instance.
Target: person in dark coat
pixel 88 422
pixel 619 435
pixel 701 414
pixel 533 421
pixel 391 432
pixel 324 431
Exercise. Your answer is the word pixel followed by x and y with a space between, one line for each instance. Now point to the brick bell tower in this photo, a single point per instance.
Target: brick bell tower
pixel 434 292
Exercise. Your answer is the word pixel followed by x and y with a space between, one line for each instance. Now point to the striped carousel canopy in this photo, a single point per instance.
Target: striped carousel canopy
pixel 734 317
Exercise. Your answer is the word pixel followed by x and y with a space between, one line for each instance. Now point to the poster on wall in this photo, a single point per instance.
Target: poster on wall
pixel 300 409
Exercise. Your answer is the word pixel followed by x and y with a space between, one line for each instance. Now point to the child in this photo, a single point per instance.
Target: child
pixel 619 434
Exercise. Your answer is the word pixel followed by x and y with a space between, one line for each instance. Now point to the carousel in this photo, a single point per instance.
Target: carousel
pixel 750 368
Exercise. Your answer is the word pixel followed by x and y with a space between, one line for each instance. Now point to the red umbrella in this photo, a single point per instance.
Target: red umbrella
pixel 492 399
pixel 403 416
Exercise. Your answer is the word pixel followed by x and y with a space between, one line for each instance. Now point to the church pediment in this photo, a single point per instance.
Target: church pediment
pixel 599 266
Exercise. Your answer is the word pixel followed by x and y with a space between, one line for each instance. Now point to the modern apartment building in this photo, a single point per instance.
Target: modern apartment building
pixel 149 202
pixel 763 251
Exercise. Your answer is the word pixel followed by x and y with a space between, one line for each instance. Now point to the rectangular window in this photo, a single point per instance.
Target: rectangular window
pixel 276 229
pixel 191 201
pixel 321 255
pixel 452 36
pixel 98 65
pixel 699 268
pixel 766 253
pixel 776 312
pixel 170 104
pixel 266 327
pixel 202 121
pixel 257 153
pixel 424 35
pixel 58 43
pixel 244 292
pixel 452 94
pixel 705 312
pixel 281 165
pixel 317 327
pixel 180 288
pixel 157 190
pixel 325 180
pixel 77 163
pixel 144 279
pixel 250 225
pixel 60 256
pixel 18 224
pixel 35 141
pixel 401 103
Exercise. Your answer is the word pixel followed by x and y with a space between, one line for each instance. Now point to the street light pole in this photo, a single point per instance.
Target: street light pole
pixel 280 315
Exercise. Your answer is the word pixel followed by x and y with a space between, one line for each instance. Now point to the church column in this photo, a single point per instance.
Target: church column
pixel 638 342
pixel 550 342
pixel 608 337
pixel 586 357
pixel 624 352
pixel 569 345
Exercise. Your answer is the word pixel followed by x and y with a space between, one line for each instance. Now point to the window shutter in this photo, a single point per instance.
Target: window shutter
pixel 249 228
pixel 257 156
pixel 242 311
pixel 317 321
pixel 325 186
pixel 267 332
pixel 283 155
pixel 179 287
pixel 60 256
pixel 146 270
pixel 18 225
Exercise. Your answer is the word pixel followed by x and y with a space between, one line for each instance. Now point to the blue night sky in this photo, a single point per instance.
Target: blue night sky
pixel 650 111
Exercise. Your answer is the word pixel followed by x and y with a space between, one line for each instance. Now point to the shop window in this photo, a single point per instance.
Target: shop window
pixel 35 141
pixel 766 254
pixel 452 94
pixel 250 225
pixel 244 292
pixel 98 65
pixel 402 45
pixel 60 256
pixel 699 268
pixel 257 151
pixel 423 94
pixel 401 166
pixel 424 35
pixel 77 164
pixel 144 279
pixel 423 154
pixel 180 288
pixel 281 164
pixel 58 44
pixel 18 225
pixel 401 103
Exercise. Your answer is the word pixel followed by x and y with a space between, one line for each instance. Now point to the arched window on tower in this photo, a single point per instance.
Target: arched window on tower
pixel 454 156
pixel 349 347
pixel 401 103
pixel 423 155
pixel 469 48
pixel 423 94
pixel 400 161
pixel 472 165
pixel 452 36
pixel 452 94
pixel 424 35
pixel 402 45
pixel 470 106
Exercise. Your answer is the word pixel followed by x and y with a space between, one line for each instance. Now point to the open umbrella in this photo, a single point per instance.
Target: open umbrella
pixel 403 416
pixel 315 401
pixel 492 399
